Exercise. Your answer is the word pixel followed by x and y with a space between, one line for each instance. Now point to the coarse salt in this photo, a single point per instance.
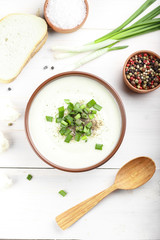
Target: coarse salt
pixel 66 14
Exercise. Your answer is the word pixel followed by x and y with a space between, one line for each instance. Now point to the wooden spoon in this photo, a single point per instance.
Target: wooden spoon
pixel 132 175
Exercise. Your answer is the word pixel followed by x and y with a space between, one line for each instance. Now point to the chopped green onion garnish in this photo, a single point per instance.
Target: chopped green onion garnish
pixel 29 177
pixel 97 107
pixel 91 103
pixel 78 122
pixel 72 113
pixel 68 131
pixel 77 137
pixel 77 109
pixel 85 129
pixel 58 120
pixel 91 116
pixel 64 123
pixel 68 138
pixel 89 125
pixel 84 137
pixel 69 119
pixel 70 107
pixel 79 128
pixel 88 133
pixel 49 119
pixel 99 146
pixel 67 101
pixel 61 112
pixel 86 110
pixel 77 116
pixel 62 193
pixel 94 111
pixel 62 131
pixel 82 106
pixel 77 105
pixel 84 115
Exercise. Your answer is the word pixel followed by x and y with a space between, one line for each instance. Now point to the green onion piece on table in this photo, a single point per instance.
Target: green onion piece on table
pixel 68 138
pixel 97 107
pixel 62 193
pixel 91 116
pixel 49 119
pixel 61 112
pixel 77 137
pixel 58 120
pixel 98 146
pixel 29 177
pixel 62 131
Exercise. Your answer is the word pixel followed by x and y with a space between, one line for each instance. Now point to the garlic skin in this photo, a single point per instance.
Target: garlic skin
pixel 4 143
pixel 7 111
pixel 5 181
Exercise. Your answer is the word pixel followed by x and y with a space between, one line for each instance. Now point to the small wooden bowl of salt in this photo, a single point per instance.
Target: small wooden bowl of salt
pixel 66 16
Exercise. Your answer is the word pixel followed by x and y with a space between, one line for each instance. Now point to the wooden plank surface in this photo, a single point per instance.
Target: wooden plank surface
pixel 29 207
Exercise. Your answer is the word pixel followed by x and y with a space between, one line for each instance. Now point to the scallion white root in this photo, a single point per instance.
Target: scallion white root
pixel 84 48
pixel 93 56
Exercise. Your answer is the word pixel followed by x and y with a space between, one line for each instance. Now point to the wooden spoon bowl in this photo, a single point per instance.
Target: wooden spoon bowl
pixel 124 74
pixel 135 173
pixel 61 30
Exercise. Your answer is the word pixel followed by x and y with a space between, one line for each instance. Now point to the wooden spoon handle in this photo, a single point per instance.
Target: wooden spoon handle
pixel 67 218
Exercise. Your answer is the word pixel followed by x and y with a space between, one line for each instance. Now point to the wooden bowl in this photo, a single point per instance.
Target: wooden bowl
pixel 60 30
pixel 124 74
pixel 108 88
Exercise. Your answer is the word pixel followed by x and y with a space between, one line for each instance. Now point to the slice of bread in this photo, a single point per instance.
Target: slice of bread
pixel 21 36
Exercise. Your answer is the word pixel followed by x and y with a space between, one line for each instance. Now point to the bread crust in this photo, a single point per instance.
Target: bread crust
pixel 36 48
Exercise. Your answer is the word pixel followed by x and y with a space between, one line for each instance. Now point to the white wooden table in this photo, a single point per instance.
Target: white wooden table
pixel 28 209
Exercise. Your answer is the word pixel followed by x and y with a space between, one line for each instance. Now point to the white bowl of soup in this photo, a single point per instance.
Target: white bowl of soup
pixel 44 136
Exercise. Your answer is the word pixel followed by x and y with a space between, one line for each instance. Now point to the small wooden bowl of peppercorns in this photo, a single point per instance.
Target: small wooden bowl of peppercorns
pixel 141 71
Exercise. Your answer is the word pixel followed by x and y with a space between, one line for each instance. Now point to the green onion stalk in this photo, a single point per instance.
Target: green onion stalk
pixel 100 46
